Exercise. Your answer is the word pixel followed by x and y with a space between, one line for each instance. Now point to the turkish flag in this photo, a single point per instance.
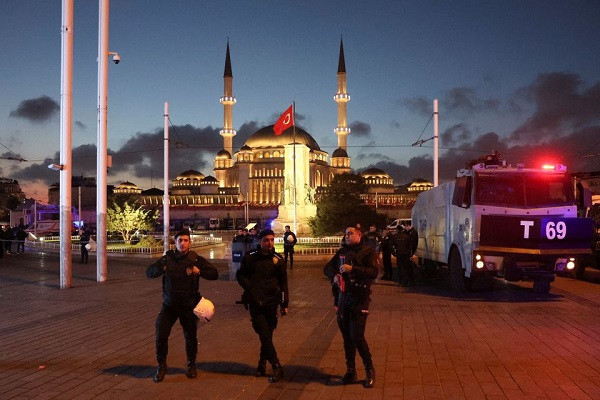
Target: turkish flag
pixel 285 121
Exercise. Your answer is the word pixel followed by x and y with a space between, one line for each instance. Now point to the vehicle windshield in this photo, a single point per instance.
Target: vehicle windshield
pixel 523 189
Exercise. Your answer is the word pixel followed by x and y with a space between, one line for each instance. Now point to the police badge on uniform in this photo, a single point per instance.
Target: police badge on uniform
pixel 275 260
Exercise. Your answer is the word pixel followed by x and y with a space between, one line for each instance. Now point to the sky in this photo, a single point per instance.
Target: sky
pixel 521 77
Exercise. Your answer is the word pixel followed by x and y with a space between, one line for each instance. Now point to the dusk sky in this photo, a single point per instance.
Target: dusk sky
pixel 519 77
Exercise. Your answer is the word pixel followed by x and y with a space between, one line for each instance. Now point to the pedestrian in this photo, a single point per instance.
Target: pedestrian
pixel 351 272
pixel 181 270
pixel 21 236
pixel 263 277
pixel 387 248
pixel 8 238
pixel 403 254
pixel 84 240
pixel 253 241
pixel 373 238
pixel 289 241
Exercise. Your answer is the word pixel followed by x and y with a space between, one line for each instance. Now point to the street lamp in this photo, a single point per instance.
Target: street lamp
pixel 102 140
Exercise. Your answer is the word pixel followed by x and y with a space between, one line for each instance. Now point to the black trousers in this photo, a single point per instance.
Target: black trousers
pixel 352 322
pixel 288 251
pixel 264 322
pixel 84 254
pixel 165 321
pixel 405 270
pixel 387 264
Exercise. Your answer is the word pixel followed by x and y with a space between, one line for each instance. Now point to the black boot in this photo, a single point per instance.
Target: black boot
pixel 370 378
pixel 191 370
pixel 261 368
pixel 277 373
pixel 159 375
pixel 349 376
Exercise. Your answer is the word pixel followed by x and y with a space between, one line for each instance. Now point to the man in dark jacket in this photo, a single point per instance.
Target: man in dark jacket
pixel 181 270
pixel 289 241
pixel 84 240
pixel 263 277
pixel 403 254
pixel 387 248
pixel 351 272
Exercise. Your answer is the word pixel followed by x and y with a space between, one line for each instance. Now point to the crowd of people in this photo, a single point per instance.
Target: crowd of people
pixel 10 236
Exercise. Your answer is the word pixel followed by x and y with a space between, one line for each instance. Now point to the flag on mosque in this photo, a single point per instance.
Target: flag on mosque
pixel 285 121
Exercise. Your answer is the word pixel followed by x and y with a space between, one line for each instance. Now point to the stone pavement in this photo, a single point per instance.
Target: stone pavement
pixel 96 340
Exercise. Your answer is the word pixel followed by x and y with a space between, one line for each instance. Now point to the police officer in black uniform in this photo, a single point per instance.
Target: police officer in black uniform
pixel 351 272
pixel 387 248
pixel 263 277
pixel 402 247
pixel 181 270
pixel 288 245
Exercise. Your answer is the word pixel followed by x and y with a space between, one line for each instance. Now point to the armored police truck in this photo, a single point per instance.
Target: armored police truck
pixel 498 220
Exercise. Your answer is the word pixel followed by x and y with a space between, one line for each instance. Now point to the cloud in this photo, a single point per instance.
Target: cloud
pixel 419 105
pixel 80 125
pixel 371 156
pixel 466 101
pixel 457 133
pixel 561 105
pixel 37 110
pixel 460 101
pixel 359 128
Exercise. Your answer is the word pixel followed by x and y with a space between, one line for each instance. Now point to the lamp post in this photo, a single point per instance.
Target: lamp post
pixel 66 98
pixel 102 140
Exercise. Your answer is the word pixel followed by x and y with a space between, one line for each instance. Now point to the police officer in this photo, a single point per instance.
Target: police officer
pixel 181 270
pixel 403 254
pixel 351 271
pixel 289 241
pixel 263 277
pixel 387 248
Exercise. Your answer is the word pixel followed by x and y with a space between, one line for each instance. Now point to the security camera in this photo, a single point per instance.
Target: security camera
pixel 116 58
pixel 56 167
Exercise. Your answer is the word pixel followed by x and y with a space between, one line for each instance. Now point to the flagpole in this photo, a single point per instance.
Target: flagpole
pixel 294 156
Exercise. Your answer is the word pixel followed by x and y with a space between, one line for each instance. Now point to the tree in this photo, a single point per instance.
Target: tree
pixel 128 218
pixel 341 206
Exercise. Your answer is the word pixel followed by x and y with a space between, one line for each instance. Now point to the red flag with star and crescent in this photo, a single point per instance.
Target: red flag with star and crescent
pixel 285 121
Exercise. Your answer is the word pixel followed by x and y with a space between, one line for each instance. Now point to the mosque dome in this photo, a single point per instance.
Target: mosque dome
pixel 127 185
pixel 127 188
pixel 189 175
pixel 339 152
pixel 374 173
pixel 211 180
pixel 265 138
pixel 223 154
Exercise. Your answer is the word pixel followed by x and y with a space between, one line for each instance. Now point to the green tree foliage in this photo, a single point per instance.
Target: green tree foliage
pixel 127 218
pixel 342 206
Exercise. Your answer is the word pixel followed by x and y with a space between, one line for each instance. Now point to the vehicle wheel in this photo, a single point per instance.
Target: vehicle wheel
pixel 541 287
pixel 457 273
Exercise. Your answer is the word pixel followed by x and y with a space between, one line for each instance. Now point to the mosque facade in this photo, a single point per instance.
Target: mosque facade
pixel 271 176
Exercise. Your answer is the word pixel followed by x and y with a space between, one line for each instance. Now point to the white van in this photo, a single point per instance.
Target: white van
pixel 396 224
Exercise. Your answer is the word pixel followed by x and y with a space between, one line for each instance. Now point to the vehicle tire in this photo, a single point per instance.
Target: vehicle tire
pixel 541 287
pixel 457 273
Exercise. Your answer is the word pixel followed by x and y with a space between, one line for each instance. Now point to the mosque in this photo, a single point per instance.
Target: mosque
pixel 274 177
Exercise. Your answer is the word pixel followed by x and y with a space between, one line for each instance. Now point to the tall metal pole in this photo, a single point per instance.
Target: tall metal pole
pixel 79 210
pixel 435 143
pixel 294 156
pixel 66 123
pixel 166 219
pixel 101 155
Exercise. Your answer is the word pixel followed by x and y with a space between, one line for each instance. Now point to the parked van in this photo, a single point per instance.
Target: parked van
pixel 214 223
pixel 395 225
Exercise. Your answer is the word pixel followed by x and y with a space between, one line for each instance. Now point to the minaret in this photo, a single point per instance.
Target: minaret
pixel 228 101
pixel 341 98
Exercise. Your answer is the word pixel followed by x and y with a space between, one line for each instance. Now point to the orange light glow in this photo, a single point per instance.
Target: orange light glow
pixel 548 166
